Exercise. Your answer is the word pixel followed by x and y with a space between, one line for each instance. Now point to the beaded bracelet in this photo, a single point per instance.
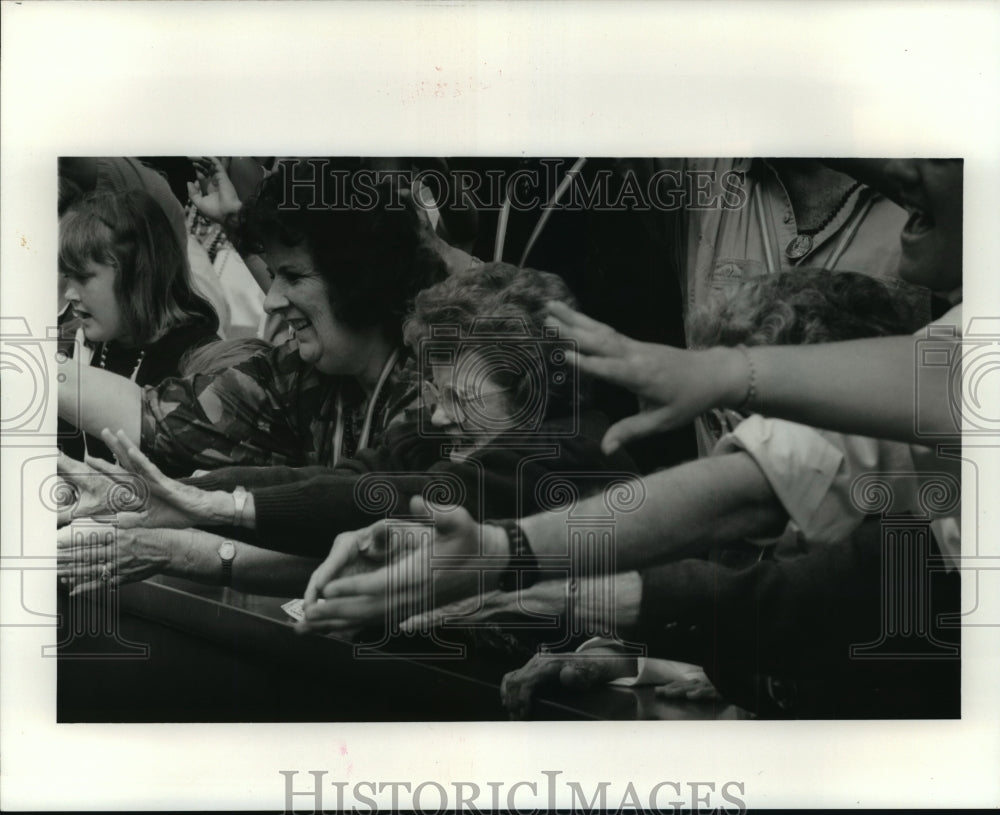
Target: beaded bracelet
pixel 751 398
pixel 522 560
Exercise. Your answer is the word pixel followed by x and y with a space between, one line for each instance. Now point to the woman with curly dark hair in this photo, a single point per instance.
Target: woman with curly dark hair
pixel 502 431
pixel 342 281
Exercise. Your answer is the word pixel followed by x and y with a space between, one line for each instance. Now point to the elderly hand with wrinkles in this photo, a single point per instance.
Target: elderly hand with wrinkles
pixel 90 556
pixel 137 492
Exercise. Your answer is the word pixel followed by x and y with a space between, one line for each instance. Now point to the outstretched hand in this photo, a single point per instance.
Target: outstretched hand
pixel 96 488
pixel 213 193
pixel 171 504
pixel 674 386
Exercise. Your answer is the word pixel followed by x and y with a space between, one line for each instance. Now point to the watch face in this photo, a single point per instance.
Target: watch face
pixel 227 550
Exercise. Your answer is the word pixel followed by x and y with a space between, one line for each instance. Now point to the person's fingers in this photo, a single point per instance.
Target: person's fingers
pixel 105 467
pixel 576 676
pixel 637 427
pixel 326 571
pixel 194 193
pixel 340 612
pixel 356 585
pixel 344 547
pixel 70 466
pixel 90 535
pixel 590 335
pixel 141 465
pixel 569 316
pixel 544 671
pixel 133 520
pixel 83 588
pixel 612 369
pixel 117 448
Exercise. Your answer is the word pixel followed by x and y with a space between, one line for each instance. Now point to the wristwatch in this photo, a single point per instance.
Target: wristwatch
pixel 227 554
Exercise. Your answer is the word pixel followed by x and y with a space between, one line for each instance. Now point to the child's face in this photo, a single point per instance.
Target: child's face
pixel 931 189
pixel 92 295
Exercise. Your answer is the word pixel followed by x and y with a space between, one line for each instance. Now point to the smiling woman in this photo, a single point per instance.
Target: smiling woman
pixel 342 280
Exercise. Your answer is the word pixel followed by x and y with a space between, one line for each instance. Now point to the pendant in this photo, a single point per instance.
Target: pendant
pixel 799 246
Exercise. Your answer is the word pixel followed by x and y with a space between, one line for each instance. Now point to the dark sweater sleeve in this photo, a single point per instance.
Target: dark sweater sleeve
pixel 771 615
pixel 777 637
pixel 253 478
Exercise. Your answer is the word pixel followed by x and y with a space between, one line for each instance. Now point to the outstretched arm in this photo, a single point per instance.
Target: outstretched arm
pixel 877 387
pixel 93 399
pixel 686 510
pixel 92 554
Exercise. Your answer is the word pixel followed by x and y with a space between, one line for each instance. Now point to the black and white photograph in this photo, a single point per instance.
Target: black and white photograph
pixel 474 445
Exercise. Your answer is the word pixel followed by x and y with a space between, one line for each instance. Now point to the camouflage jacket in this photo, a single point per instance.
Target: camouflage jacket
pixel 271 409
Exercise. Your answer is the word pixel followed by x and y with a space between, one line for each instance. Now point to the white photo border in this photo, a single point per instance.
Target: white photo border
pixel 538 79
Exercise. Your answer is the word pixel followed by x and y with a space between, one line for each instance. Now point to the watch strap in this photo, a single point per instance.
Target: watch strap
pixel 227 562
pixel 522 567
pixel 239 502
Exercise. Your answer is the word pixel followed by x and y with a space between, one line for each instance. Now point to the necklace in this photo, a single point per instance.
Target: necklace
pixel 104 359
pixel 802 244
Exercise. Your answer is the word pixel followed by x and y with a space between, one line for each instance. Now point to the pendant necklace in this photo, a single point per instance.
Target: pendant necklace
pixel 802 244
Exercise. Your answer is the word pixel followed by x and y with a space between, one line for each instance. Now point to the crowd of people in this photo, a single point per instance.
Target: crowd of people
pixel 336 398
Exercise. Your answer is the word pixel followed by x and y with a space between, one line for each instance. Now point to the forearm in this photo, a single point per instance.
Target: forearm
pixel 864 387
pixel 686 510
pixel 255 570
pixel 93 399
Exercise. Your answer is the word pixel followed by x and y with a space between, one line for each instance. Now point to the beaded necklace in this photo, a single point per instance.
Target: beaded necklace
pixel 103 362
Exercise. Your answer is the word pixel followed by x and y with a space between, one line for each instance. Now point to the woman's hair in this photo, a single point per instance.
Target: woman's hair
pixel 365 238
pixel 485 305
pixel 222 355
pixel 798 308
pixel 130 232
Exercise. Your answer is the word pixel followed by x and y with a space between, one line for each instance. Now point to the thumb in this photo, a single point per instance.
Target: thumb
pixel 636 427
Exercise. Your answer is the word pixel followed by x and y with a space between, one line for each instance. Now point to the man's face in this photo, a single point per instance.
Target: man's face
pixel 931 242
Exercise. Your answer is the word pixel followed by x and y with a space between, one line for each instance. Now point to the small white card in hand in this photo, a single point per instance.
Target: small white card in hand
pixel 293 608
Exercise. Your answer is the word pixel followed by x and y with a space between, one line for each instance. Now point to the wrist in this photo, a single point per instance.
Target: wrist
pixel 496 545
pixel 521 570
pixel 729 369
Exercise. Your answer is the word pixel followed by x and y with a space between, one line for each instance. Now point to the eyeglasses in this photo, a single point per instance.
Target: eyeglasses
pixel 458 405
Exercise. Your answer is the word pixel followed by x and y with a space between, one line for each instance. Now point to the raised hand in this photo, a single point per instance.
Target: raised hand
pixel 213 193
pixel 674 386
